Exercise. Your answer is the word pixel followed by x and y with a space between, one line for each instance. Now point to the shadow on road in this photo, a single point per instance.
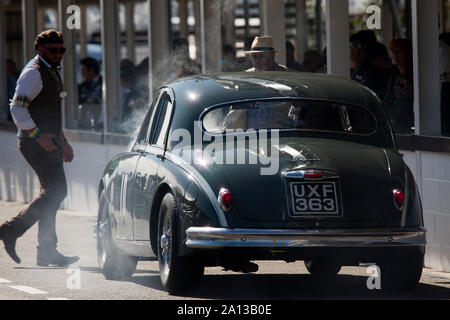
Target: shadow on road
pixel 291 286
pixel 153 282
pixel 82 268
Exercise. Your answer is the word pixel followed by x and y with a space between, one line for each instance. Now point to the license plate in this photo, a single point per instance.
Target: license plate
pixel 314 198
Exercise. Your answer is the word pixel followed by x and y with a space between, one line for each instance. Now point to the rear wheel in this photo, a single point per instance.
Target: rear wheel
pixel 112 262
pixel 402 272
pixel 179 274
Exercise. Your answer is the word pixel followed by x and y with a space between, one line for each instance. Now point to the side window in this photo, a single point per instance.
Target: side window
pixel 143 133
pixel 161 121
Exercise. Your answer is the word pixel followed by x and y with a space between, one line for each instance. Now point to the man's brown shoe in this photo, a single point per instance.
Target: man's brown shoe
pixel 54 258
pixel 9 239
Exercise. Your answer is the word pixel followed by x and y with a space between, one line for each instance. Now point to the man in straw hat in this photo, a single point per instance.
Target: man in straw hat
pixel 262 54
pixel 36 110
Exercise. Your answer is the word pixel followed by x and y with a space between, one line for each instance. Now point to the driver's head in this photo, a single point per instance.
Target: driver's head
pixel 262 53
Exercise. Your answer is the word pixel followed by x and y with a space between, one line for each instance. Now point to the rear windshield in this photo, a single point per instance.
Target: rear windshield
pixel 291 114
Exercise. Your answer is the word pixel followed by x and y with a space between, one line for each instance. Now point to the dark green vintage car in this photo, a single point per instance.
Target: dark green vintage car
pixel 232 168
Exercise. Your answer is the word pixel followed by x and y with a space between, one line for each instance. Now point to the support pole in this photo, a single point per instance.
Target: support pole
pixel 247 18
pixel 29 28
pixel 4 103
pixel 338 52
pixel 198 32
pixel 70 102
pixel 302 29
pixel 387 25
pixel 212 36
pixel 111 61
pixel 130 31
pixel 40 19
pixel 427 110
pixel 318 23
pixel 83 32
pixel 442 12
pixel 159 44
pixel 408 21
pixel 228 17
pixel 183 14
pixel 273 24
pixel 394 11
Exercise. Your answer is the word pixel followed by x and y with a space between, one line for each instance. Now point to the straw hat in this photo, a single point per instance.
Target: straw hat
pixel 262 44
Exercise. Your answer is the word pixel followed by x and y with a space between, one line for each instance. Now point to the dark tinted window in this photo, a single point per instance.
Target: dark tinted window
pixel 291 114
pixel 143 133
pixel 161 121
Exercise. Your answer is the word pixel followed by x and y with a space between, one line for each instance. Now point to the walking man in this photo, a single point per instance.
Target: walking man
pixel 36 111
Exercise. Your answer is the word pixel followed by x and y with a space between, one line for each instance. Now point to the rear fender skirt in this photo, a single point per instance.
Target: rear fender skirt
pixel 414 214
pixel 202 183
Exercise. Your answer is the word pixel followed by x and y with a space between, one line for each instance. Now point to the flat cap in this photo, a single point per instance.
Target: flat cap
pixel 48 37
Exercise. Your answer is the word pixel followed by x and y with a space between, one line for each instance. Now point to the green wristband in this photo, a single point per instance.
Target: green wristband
pixel 35 133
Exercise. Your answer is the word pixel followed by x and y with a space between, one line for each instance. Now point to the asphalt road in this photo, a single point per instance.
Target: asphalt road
pixel 274 280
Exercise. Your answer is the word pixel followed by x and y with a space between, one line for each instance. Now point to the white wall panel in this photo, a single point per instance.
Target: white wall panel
pixel 19 183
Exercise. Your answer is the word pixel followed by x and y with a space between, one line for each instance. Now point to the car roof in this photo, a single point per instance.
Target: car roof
pixel 193 95
pixel 202 91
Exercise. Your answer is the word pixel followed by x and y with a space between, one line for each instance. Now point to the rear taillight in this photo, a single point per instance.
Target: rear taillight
pixel 224 199
pixel 399 198
pixel 313 176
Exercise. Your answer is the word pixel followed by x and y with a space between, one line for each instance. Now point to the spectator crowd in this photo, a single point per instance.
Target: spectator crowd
pixel 388 72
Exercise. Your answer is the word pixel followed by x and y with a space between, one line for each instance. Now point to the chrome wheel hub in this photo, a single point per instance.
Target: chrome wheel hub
pixel 102 238
pixel 164 243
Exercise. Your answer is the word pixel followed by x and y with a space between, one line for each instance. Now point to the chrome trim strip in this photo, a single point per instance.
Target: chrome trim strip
pixel 215 238
pixel 300 174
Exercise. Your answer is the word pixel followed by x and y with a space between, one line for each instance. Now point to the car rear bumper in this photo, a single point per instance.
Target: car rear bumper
pixel 216 238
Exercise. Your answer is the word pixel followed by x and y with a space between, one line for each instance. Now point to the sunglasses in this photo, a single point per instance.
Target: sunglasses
pixel 259 55
pixel 357 46
pixel 55 50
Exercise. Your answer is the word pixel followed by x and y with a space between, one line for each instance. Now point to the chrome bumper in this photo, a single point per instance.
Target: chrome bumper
pixel 215 238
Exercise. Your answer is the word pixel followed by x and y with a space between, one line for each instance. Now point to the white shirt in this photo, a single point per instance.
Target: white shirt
pixel 29 85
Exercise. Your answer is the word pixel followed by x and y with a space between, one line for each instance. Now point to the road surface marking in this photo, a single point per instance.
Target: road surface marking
pixel 4 281
pixel 28 290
